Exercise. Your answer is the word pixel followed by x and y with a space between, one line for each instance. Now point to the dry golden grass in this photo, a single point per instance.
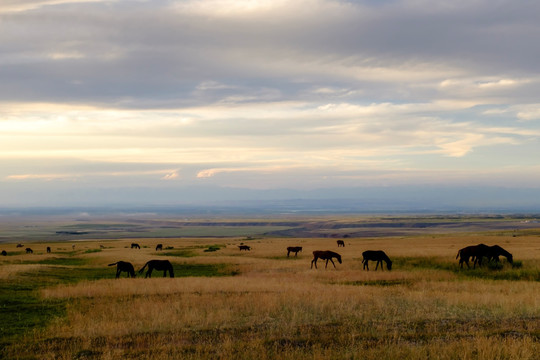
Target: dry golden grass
pixel 277 307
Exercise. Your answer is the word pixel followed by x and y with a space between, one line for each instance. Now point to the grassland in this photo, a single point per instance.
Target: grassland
pixel 229 304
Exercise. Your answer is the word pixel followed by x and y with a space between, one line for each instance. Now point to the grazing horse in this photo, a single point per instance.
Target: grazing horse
pixel 159 247
pixel 4 253
pixel 29 251
pixel 294 249
pixel 164 265
pixel 325 255
pixel 495 251
pixel 476 252
pixel 101 247
pixel 244 247
pixel 376 255
pixel 135 246
pixel 340 243
pixel 124 266
pixel 48 249
pixel 20 245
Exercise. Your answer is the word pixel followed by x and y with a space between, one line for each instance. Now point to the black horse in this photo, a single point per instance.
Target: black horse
pixel 4 253
pixel 135 246
pixel 48 249
pixel 29 251
pixel 325 255
pixel 159 247
pixel 495 251
pixel 294 249
pixel 124 266
pixel 376 255
pixel 244 247
pixel 340 243
pixel 164 265
pixel 476 252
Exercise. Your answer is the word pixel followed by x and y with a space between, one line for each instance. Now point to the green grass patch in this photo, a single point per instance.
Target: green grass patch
pixel 21 308
pixel 204 270
pixel 89 251
pixel 178 253
pixel 420 263
pixel 503 273
pixel 70 261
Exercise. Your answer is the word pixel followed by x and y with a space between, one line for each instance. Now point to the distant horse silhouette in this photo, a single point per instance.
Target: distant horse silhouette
pixel 495 251
pixel 135 246
pixel 340 243
pixel 294 249
pixel 20 245
pixel 29 251
pixel 325 255
pixel 376 255
pixel 244 247
pixel 48 249
pixel 124 266
pixel 4 253
pixel 476 252
pixel 101 247
pixel 164 265
pixel 159 247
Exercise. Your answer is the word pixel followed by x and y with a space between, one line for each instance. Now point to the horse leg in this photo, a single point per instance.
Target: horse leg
pixel 117 273
pixel 327 263
pixel 377 266
pixel 332 262
pixel 314 261
pixel 149 272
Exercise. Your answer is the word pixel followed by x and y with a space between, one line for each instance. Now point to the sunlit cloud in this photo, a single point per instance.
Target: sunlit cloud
pixel 164 174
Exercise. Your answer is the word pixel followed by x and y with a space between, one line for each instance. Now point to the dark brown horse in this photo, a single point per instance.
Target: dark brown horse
pixel 325 255
pixel 244 247
pixel 4 253
pixel 164 265
pixel 340 243
pixel 29 251
pixel 124 266
pixel 294 249
pixel 135 246
pixel 476 252
pixel 159 247
pixel 48 249
pixel 495 251
pixel 376 255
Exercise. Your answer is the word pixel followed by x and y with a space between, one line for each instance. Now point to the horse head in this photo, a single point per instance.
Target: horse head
pixel 338 257
pixel 389 264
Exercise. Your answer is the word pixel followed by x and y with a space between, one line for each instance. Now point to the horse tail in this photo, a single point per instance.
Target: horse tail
pixel 458 253
pixel 142 269
pixel 113 264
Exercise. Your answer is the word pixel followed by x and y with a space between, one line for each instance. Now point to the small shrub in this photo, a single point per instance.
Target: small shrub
pixel 517 264
pixel 212 248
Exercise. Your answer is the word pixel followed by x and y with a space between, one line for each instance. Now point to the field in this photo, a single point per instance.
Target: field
pixel 231 304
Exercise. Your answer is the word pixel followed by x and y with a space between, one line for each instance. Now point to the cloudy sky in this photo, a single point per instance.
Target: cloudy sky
pixel 273 94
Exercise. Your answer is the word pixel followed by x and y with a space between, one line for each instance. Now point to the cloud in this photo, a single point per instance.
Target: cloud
pixel 256 90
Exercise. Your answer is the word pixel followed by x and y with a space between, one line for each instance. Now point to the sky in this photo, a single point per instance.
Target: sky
pixel 263 95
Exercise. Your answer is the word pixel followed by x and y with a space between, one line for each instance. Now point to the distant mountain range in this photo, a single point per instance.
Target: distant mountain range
pixel 210 199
